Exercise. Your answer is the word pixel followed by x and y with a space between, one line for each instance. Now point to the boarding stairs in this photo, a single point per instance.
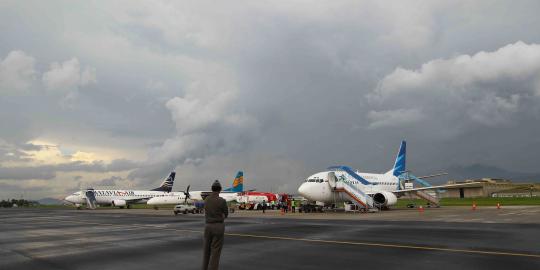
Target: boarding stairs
pixel 356 195
pixel 429 196
pixel 426 196
pixel 90 197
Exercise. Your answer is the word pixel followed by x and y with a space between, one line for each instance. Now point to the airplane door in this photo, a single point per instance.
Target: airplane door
pixel 90 199
pixel 332 179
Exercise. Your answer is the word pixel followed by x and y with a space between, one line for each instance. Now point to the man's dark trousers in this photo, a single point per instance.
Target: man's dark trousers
pixel 213 242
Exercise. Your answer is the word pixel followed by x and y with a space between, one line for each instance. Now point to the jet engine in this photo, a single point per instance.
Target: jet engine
pixel 119 203
pixel 384 198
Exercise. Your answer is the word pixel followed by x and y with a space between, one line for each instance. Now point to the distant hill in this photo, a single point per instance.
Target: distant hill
pixel 476 171
pixel 50 201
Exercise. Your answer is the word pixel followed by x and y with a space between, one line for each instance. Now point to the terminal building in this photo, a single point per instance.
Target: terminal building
pixel 490 187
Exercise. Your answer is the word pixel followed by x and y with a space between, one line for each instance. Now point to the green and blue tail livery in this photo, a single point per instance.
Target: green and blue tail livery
pixel 238 183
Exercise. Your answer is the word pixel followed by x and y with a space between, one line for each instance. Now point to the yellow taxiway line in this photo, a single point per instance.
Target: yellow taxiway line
pixel 484 252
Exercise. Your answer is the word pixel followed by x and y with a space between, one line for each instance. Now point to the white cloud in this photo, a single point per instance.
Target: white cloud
pixel 208 122
pixel 67 76
pixel 17 72
pixel 486 88
pixel 88 76
pixel 206 126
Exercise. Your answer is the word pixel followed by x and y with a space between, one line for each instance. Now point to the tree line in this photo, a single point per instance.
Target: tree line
pixel 17 203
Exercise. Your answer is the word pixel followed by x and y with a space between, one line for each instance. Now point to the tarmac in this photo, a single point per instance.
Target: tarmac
pixel 454 238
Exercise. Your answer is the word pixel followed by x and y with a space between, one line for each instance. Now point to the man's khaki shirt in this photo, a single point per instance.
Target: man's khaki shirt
pixel 215 208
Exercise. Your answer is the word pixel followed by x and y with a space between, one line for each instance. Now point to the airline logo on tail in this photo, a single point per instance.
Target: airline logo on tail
pixel 238 183
pixel 399 165
pixel 167 183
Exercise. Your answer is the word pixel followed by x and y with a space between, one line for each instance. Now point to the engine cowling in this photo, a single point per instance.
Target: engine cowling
pixel 120 203
pixel 384 198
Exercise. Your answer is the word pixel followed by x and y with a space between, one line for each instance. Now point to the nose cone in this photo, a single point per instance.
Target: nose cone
pixel 70 199
pixel 302 190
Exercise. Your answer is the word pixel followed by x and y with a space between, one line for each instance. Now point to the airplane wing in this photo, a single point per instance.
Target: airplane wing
pixel 138 200
pixel 436 187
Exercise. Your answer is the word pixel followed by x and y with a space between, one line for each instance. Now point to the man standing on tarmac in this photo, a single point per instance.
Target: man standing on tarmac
pixel 215 211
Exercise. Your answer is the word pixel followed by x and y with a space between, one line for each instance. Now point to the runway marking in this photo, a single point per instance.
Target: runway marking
pixel 387 245
pixel 402 246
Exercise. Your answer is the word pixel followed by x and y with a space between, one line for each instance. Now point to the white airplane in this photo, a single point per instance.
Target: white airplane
pixel 230 194
pixel 121 198
pixel 343 184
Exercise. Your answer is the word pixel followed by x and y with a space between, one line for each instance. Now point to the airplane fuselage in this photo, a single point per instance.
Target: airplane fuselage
pixel 317 188
pixel 180 197
pixel 108 196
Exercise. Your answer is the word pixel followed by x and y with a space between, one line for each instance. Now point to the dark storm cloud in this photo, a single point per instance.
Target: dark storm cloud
pixel 111 181
pixel 222 85
pixel 49 171
pixel 15 190
pixel 22 173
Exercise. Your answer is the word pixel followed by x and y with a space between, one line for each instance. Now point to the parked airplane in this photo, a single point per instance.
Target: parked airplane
pixel 343 184
pixel 229 194
pixel 121 198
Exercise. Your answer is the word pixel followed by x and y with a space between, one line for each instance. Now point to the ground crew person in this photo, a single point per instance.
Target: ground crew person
pixel 215 211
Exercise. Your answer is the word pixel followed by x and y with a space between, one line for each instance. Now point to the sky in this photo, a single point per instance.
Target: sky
pixel 119 93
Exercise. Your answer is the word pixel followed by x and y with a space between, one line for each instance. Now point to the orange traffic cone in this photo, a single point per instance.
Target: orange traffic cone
pixel 474 206
pixel 498 205
pixel 421 209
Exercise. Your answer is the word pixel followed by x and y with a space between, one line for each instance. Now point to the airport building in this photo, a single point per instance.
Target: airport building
pixel 490 187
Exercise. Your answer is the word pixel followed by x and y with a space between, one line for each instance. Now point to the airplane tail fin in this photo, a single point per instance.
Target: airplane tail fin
pixel 399 164
pixel 238 183
pixel 167 183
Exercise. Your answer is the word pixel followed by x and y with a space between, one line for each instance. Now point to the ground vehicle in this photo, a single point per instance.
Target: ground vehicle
pixel 184 209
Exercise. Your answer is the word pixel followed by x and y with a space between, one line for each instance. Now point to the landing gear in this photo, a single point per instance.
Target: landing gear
pixel 311 208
